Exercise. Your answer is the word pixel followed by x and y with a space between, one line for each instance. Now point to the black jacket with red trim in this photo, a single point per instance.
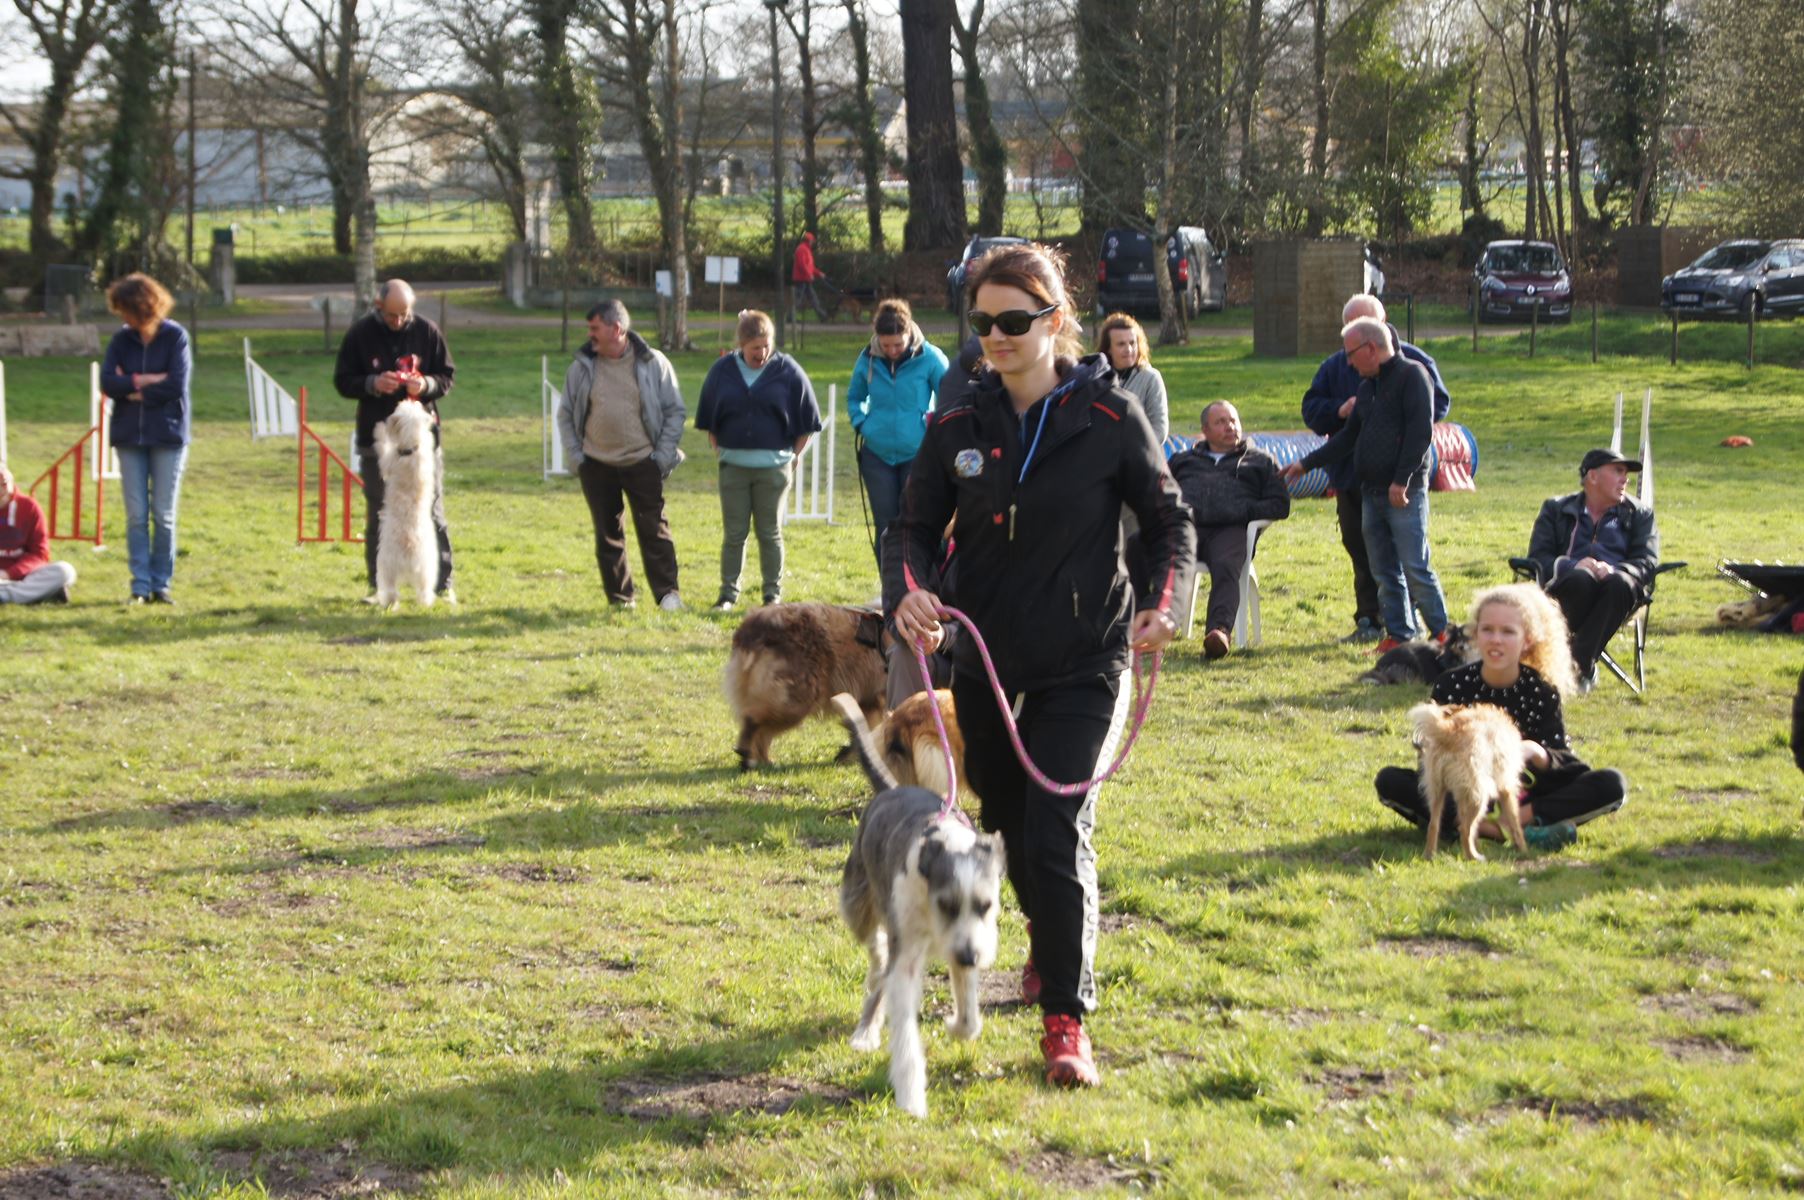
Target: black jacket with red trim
pixel 1037 528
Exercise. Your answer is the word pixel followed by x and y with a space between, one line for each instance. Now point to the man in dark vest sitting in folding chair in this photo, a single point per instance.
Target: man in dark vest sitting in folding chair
pixel 1596 551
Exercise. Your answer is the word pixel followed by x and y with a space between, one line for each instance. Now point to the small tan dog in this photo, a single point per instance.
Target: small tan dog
pixel 910 744
pixel 788 661
pixel 1473 751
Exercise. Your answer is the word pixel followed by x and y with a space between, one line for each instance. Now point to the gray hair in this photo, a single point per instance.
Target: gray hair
pixel 1368 330
pixel 611 312
pixel 1361 305
pixel 394 285
pixel 1212 406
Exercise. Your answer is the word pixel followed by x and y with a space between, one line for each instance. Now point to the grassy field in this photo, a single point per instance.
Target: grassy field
pixel 475 902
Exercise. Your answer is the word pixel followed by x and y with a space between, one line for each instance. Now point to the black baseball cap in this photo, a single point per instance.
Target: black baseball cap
pixel 1603 458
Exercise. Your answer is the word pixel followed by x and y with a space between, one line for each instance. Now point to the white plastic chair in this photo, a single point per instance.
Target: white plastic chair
pixel 1246 621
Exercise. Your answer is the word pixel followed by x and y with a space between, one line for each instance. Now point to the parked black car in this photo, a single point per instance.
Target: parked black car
pixel 1125 280
pixel 1734 276
pixel 975 249
pixel 1512 279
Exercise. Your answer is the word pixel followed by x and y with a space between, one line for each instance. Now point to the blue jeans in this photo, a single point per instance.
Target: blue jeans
pixel 151 478
pixel 883 483
pixel 1397 544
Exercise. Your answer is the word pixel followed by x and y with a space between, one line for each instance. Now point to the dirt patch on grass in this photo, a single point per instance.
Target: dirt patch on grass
pixel 1305 1018
pixel 717 1095
pixel 79 1181
pixel 403 838
pixel 280 773
pixel 187 812
pixel 1439 946
pixel 1080 1173
pixel 1714 795
pixel 1702 1049
pixel 353 639
pixel 999 991
pixel 489 774
pixel 536 873
pixel 1699 1006
pixel 1714 849
pixel 1121 922
pixel 335 1174
pixel 1345 1083
pixel 1583 1112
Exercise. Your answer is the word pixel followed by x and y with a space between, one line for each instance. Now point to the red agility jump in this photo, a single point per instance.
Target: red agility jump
pixel 323 488
pixel 91 445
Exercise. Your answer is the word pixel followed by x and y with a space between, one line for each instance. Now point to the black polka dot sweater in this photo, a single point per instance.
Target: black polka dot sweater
pixel 1532 702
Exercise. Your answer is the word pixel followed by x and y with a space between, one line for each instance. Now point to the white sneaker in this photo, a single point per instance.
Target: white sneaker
pixel 671 602
pixel 449 596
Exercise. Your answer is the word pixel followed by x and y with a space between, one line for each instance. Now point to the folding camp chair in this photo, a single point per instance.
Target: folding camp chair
pixel 1527 568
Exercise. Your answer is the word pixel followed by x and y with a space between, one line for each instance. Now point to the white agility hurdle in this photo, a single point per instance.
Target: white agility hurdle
pixel 100 416
pixel 805 502
pixel 551 401
pixel 273 411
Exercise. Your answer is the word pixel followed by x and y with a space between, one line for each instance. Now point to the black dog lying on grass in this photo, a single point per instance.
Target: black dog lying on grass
pixel 1423 662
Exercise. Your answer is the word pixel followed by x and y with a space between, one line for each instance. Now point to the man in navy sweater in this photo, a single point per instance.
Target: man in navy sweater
pixel 1326 407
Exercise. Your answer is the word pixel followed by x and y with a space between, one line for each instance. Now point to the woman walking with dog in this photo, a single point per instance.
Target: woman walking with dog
pixel 1033 468
pixel 1525 668
pixel 759 411
pixel 145 373
pixel 888 401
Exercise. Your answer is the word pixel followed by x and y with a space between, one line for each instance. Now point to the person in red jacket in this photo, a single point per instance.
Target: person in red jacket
pixel 801 279
pixel 27 576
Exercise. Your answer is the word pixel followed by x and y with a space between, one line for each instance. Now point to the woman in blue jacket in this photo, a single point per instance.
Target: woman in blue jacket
pixel 893 385
pixel 759 410
pixel 146 374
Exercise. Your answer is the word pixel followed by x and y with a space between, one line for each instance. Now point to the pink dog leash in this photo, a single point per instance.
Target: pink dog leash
pixel 1142 704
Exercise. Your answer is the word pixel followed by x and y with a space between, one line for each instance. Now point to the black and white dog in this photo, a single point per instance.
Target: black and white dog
pixel 915 886
pixel 1423 661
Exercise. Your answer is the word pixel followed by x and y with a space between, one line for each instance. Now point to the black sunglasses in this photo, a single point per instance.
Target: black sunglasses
pixel 1014 322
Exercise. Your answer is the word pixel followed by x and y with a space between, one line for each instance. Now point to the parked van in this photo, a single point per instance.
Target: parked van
pixel 1125 280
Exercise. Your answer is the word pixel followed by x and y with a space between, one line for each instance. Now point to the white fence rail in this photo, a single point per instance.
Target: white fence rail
pixel 811 495
pixel 273 410
pixel 551 402
pixel 100 412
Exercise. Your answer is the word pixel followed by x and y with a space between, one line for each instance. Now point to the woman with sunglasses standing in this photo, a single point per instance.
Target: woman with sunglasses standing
pixel 1033 466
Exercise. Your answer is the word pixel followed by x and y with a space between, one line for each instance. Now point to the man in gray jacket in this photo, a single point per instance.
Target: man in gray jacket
pixel 621 420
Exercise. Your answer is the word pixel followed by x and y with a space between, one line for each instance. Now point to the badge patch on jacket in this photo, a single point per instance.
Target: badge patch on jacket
pixel 968 464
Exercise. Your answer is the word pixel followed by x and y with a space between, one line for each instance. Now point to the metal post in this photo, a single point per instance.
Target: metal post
pixel 563 343
pixel 442 322
pixel 191 172
pixel 1409 302
pixel 300 471
pixel 325 312
pixel 1594 330
pixel 1674 360
pixel 1477 299
pixel 1750 335
pixel 1534 325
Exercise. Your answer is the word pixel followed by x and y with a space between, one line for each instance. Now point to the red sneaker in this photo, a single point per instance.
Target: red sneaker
pixel 1067 1050
pixel 1030 984
pixel 1387 645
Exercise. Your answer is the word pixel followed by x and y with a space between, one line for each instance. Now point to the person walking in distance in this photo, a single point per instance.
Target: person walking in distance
pixel 621 420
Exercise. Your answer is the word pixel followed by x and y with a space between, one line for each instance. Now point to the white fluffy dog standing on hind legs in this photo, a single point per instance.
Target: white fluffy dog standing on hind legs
pixel 407 552
pixel 915 885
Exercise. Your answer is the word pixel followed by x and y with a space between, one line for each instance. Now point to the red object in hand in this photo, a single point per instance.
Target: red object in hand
pixel 408 367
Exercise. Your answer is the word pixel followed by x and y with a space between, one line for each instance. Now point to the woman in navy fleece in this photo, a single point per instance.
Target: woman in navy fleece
pixel 759 410
pixel 146 373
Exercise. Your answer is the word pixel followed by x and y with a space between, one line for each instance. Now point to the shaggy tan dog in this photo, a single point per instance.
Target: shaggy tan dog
pixel 787 662
pixel 1473 751
pixel 910 744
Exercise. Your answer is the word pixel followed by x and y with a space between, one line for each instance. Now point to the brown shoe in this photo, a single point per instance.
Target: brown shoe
pixel 1215 644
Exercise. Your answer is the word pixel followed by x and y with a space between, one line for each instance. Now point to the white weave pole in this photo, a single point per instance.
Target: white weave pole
pixel 1647 448
pixel 100 412
pixel 1616 429
pixel 805 493
pixel 551 446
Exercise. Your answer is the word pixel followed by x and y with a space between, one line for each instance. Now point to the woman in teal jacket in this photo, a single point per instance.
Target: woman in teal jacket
pixel 893 385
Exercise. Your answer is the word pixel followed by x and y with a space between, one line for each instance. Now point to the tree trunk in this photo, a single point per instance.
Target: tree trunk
pixel 1641 212
pixel 121 210
pixel 1534 145
pixel 1251 72
pixel 989 156
pixel 936 192
pixel 1472 198
pixel 1112 164
pixel 567 98
pixel 1566 113
pixel 864 109
pixel 364 251
pixel 1172 309
pixel 811 122
pixel 1316 217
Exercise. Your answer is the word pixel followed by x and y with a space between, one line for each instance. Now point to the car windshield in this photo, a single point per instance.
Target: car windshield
pixel 1127 245
pixel 1731 256
pixel 1525 260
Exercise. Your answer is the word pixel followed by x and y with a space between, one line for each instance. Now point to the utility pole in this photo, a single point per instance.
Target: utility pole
pixel 191 128
pixel 776 173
